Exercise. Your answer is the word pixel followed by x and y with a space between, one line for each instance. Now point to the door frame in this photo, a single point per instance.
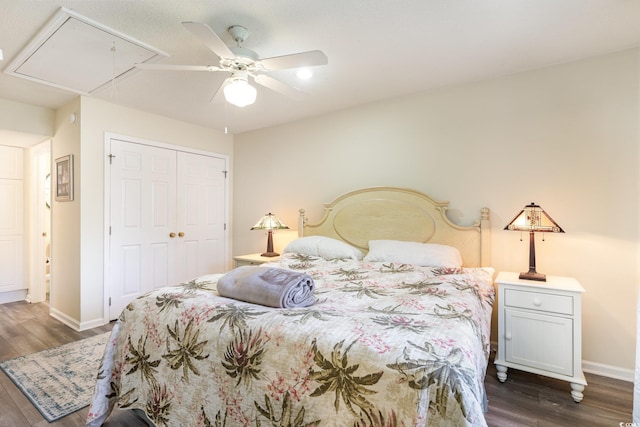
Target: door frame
pixel 108 137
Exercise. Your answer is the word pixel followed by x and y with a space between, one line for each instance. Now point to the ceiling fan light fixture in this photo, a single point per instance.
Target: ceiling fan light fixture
pixel 304 73
pixel 239 92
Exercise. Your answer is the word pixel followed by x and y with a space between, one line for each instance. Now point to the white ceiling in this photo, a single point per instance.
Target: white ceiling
pixel 377 49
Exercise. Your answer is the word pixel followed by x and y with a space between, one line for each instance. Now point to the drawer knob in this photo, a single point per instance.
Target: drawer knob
pixel 537 302
pixel 507 336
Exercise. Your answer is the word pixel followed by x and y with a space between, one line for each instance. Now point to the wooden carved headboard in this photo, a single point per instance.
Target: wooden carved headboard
pixel 400 214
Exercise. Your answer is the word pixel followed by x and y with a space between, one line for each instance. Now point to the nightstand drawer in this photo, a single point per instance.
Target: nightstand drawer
pixel 541 301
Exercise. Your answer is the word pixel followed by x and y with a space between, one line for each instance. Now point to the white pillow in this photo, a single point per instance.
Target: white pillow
pixel 324 247
pixel 421 254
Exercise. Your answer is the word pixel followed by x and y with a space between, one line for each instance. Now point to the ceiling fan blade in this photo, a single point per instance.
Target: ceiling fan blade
pixel 172 67
pixel 276 85
pixel 295 60
pixel 209 38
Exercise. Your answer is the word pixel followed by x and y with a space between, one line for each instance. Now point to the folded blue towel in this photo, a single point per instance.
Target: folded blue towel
pixel 273 287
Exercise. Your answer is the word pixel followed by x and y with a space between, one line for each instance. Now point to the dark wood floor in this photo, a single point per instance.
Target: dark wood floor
pixel 523 400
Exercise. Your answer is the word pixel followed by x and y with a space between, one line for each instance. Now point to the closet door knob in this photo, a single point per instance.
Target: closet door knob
pixel 181 234
pixel 172 235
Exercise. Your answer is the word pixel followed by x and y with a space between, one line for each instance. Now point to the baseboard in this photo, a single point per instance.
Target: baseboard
pixel 609 371
pixel 73 323
pixel 601 369
pixel 92 324
pixel 13 296
pixel 69 321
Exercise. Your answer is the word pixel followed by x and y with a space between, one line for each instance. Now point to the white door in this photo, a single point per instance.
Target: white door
pixel 200 216
pixel 143 200
pixel 11 220
pixel 167 219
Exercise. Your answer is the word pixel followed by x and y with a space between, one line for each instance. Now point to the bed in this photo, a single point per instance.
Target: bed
pixel 398 334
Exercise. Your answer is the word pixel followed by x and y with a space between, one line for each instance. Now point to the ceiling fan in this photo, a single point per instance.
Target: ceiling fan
pixel 243 63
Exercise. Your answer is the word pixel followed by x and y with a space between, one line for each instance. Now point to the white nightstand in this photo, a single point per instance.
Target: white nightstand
pixel 540 328
pixel 253 259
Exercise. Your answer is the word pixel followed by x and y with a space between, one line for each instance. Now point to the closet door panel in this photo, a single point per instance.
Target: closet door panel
pixel 11 219
pixel 11 162
pixel 11 213
pixel 11 263
pixel 143 188
pixel 200 216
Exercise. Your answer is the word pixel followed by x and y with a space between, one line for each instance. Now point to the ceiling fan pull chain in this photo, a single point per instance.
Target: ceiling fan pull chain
pixel 226 131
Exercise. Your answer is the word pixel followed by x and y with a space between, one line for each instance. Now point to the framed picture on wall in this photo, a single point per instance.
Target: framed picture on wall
pixel 64 178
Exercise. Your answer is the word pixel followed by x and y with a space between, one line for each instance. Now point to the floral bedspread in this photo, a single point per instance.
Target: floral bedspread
pixel 385 345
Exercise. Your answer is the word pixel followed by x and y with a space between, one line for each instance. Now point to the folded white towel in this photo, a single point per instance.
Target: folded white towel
pixel 273 287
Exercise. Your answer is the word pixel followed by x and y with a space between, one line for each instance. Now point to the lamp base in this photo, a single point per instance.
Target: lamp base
pixel 270 254
pixel 529 275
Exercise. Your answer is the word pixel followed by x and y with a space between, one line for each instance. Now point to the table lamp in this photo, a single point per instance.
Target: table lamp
pixel 534 220
pixel 269 222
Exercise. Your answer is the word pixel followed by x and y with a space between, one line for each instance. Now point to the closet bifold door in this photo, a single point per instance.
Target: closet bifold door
pixel 11 224
pixel 200 215
pixel 143 217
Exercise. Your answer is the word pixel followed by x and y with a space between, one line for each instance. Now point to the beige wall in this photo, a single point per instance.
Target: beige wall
pixel 566 137
pixel 78 227
pixel 26 118
pixel 65 218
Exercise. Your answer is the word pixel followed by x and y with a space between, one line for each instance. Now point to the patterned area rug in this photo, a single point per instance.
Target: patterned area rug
pixel 60 380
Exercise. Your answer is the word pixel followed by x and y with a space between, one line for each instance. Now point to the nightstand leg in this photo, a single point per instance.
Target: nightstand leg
pixel 576 392
pixel 502 373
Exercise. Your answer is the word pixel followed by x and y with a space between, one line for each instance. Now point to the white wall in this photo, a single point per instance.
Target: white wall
pixel 78 226
pixel 566 137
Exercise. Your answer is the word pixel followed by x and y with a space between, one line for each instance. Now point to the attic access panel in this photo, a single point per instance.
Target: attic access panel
pixel 77 54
